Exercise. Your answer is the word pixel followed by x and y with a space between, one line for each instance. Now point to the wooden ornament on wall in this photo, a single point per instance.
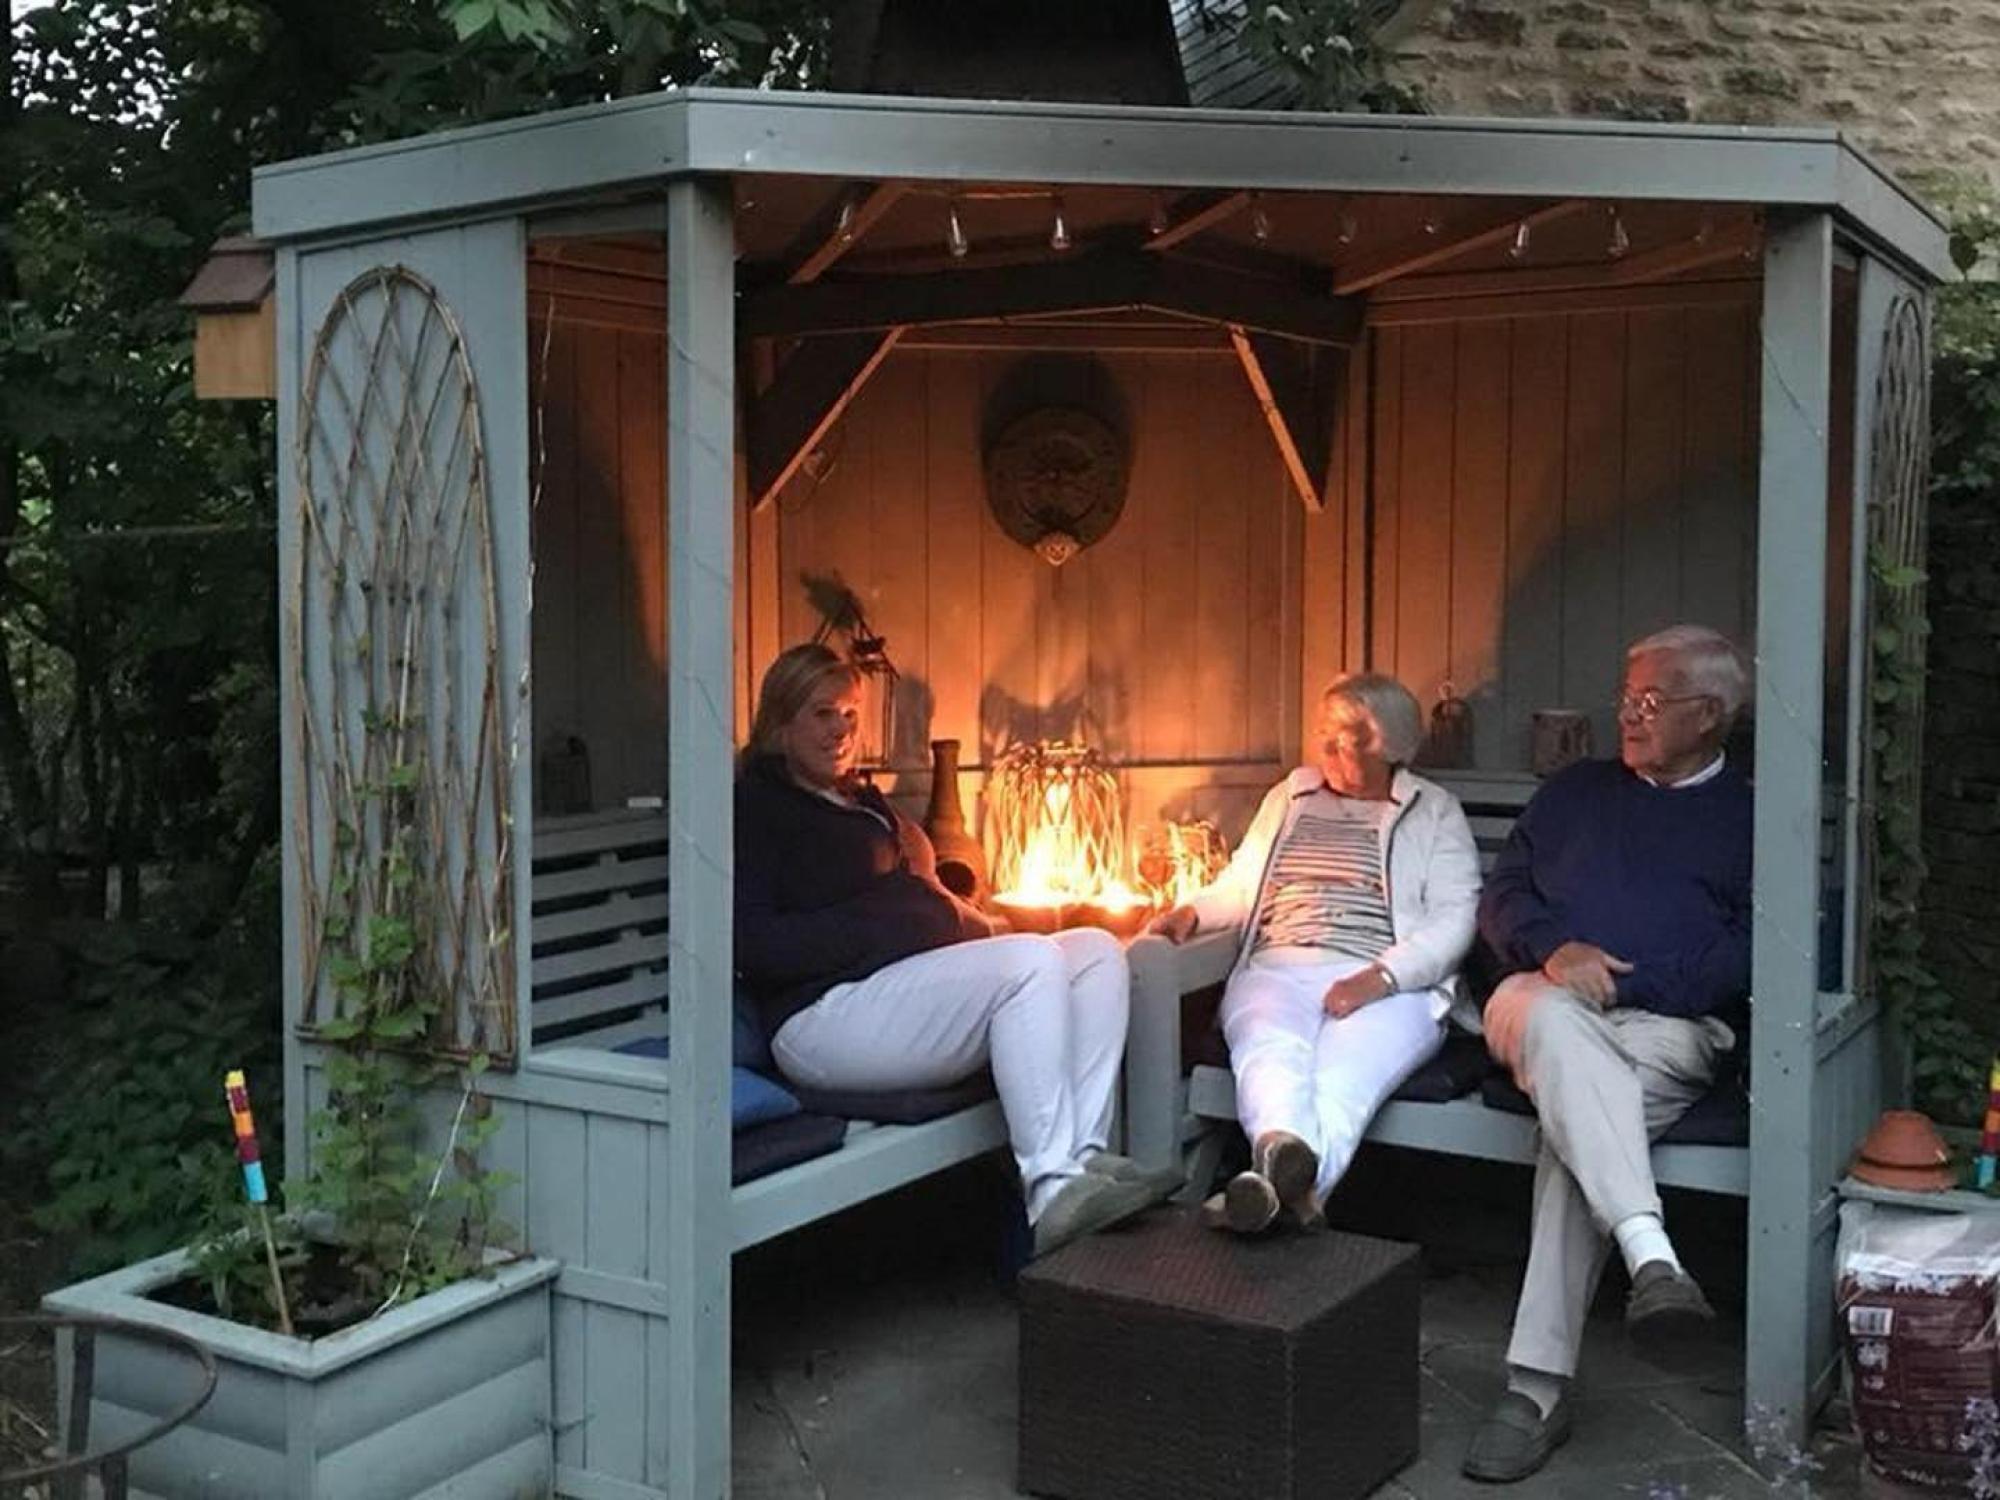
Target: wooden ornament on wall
pixel 1055 481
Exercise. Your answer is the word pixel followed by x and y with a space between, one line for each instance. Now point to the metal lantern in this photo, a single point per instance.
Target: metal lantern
pixel 868 653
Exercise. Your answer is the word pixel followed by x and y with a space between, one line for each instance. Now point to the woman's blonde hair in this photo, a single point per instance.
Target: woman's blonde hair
pixel 788 686
pixel 1398 720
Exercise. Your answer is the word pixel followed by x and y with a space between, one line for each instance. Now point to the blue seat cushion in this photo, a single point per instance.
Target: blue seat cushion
pixel 777 1144
pixel 898 1106
pixel 749 1046
pixel 1720 1117
pixel 753 1098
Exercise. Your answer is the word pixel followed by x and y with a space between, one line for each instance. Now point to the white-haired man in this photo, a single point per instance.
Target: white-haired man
pixel 1620 908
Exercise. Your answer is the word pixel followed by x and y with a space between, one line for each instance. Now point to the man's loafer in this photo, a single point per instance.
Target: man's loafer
pixel 1515 1440
pixel 1666 1311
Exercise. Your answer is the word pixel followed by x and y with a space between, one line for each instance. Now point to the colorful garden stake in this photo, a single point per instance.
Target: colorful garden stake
pixel 237 1091
pixel 1989 1135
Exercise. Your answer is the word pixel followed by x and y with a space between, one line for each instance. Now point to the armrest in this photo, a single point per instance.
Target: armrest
pixel 1161 973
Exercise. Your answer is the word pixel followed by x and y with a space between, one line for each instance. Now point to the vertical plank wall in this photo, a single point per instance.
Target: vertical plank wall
pixel 600 635
pixel 1548 487
pixel 1171 645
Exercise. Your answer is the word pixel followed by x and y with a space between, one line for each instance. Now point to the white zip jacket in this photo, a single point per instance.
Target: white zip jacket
pixel 1430 872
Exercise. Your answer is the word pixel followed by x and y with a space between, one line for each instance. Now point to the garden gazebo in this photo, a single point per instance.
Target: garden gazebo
pixel 594 406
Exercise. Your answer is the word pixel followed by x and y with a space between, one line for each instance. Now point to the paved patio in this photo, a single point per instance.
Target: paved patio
pixel 875 1353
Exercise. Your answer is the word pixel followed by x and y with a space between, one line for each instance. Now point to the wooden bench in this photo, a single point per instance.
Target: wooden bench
pixel 600 981
pixel 1172 1113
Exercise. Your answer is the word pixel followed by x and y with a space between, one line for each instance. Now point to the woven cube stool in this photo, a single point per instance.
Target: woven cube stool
pixel 1167 1361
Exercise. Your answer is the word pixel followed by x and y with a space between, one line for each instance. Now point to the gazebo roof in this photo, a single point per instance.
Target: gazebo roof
pixel 624 150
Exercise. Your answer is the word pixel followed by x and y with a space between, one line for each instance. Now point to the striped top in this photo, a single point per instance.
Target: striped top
pixel 1325 886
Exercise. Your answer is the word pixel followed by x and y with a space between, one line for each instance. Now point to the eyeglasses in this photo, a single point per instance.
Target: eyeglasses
pixel 1645 706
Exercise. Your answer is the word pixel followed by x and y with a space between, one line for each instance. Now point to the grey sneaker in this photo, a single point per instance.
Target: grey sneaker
pixel 1163 1180
pixel 1087 1203
pixel 1515 1440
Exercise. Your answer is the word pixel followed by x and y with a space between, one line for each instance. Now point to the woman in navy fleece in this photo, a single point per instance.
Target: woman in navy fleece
pixel 872 976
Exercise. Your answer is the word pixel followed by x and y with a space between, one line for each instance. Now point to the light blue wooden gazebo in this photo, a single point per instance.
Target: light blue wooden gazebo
pixel 767 271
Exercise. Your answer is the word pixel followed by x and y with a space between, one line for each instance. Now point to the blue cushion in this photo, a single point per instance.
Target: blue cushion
pixel 764 1149
pixel 750 1047
pixel 899 1106
pixel 1452 1072
pixel 753 1098
pixel 1720 1117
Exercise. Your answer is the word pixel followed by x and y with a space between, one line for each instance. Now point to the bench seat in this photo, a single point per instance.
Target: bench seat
pixel 1175 1096
pixel 600 983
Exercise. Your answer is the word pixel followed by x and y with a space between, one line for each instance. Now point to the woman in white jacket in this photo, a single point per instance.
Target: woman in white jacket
pixel 1355 891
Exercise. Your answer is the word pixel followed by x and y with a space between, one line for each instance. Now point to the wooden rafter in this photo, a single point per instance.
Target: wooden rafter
pixel 827 239
pixel 1194 213
pixel 784 422
pixel 1091 284
pixel 1722 244
pixel 1290 383
pixel 1421 251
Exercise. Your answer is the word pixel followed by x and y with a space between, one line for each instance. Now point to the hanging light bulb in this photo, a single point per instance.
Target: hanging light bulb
pixel 843 227
pixel 1519 249
pixel 1432 223
pixel 1156 221
pixel 1706 231
pixel 1620 240
pixel 1260 218
pixel 1348 229
pixel 1059 230
pixel 954 232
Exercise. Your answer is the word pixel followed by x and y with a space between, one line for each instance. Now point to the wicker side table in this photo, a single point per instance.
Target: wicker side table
pixel 1169 1362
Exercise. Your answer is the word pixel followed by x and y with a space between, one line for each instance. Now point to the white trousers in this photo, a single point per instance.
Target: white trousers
pixel 1299 1069
pixel 1046 1014
pixel 1605 1083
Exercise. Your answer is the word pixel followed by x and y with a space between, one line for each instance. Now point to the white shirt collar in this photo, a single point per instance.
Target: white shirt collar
pixel 1707 773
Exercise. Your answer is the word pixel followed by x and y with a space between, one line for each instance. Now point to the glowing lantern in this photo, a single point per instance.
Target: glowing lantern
pixel 1055 826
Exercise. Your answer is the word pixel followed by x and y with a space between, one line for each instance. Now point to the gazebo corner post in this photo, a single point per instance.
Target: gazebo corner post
pixel 1786 1213
pixel 291 938
pixel 701 519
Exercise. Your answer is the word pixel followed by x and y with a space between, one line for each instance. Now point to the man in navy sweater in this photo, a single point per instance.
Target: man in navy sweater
pixel 1620 909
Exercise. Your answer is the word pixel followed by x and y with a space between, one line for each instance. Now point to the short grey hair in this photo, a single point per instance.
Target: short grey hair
pixel 1398 721
pixel 1709 658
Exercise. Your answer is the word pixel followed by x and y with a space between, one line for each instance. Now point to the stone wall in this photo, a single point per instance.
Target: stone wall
pixel 1916 83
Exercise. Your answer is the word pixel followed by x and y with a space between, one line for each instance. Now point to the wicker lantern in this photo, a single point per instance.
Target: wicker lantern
pixel 1055 827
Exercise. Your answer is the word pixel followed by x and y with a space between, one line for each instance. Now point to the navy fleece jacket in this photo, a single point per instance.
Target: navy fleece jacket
pixel 826 894
pixel 1656 876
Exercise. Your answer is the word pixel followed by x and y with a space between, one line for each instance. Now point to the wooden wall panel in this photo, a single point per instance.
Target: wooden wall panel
pixel 1546 489
pixel 1171 643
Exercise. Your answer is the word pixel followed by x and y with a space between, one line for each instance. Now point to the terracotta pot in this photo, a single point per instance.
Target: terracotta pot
pixel 961 863
pixel 1904 1150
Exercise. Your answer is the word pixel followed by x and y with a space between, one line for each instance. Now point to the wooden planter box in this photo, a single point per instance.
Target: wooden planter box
pixel 448 1394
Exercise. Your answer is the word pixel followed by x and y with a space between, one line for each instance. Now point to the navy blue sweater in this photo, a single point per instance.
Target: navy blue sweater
pixel 826 894
pixel 1656 876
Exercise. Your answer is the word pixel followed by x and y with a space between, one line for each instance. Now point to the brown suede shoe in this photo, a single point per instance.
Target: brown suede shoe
pixel 1292 1169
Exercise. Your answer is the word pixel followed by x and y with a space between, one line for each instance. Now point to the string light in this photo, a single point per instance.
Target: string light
pixel 1432 223
pixel 1156 221
pixel 1519 249
pixel 1620 240
pixel 1347 229
pixel 843 226
pixel 1706 232
pixel 1260 218
pixel 1059 230
pixel 954 232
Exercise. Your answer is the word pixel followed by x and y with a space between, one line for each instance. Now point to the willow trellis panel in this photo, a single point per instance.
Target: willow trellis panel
pixel 399 727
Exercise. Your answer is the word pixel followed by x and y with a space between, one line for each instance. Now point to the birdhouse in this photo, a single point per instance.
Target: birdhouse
pixel 235 322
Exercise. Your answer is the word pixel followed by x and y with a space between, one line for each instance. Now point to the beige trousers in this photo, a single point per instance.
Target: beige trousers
pixel 1605 1083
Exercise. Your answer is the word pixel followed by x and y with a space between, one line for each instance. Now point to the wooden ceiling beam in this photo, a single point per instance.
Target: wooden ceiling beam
pixel 1107 282
pixel 1194 213
pixel 1733 242
pixel 785 422
pixel 1291 383
pixel 1421 251
pixel 828 238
